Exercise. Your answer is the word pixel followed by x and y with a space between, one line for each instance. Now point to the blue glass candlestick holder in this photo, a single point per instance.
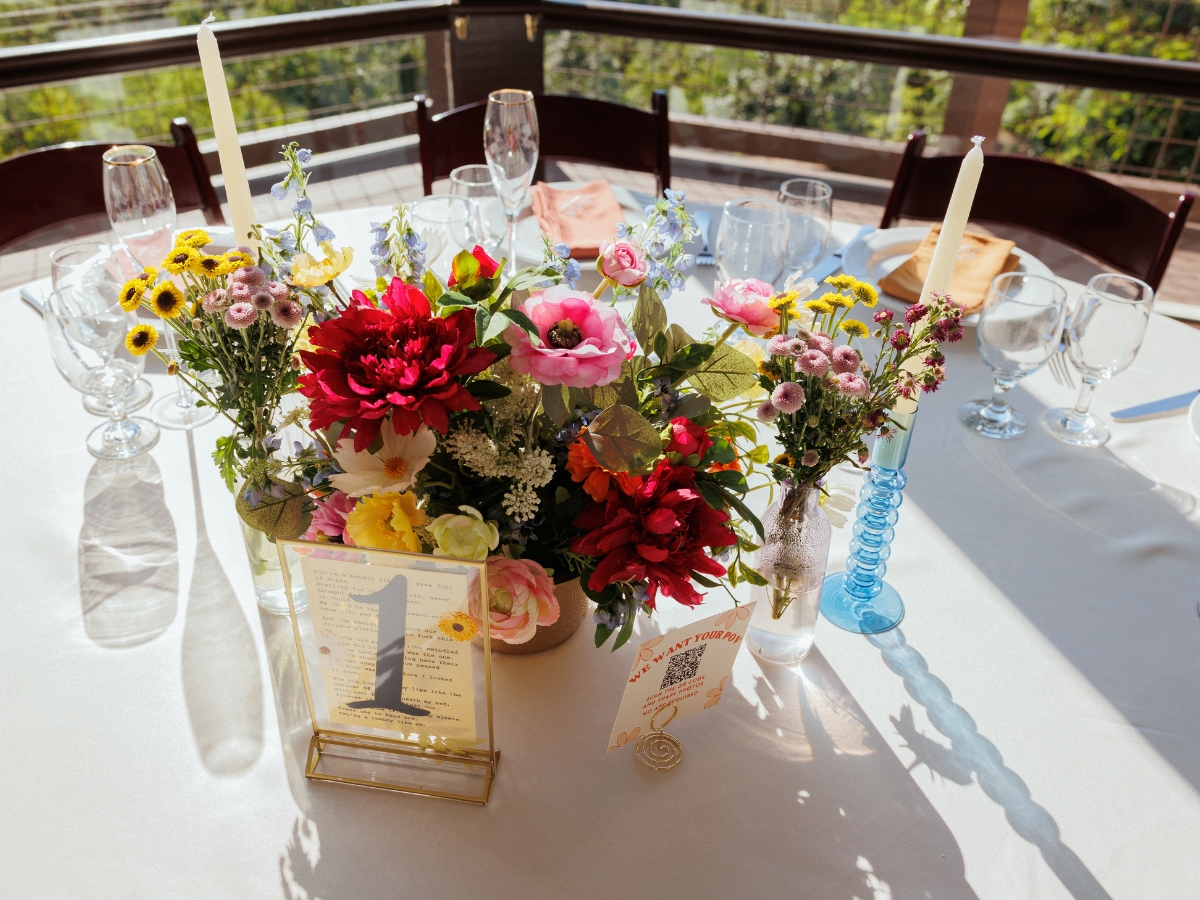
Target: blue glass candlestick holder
pixel 858 599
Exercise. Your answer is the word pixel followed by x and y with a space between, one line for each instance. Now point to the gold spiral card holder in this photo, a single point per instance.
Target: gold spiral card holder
pixel 674 675
pixel 396 664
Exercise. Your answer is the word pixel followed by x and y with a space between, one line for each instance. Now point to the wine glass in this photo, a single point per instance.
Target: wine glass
pixel 1020 326
pixel 752 241
pixel 88 267
pixel 1103 338
pixel 810 203
pixel 84 332
pixel 141 208
pixel 475 183
pixel 510 145
pixel 448 224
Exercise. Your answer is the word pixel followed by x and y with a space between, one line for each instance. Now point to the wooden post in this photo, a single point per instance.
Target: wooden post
pixel 440 86
pixel 976 103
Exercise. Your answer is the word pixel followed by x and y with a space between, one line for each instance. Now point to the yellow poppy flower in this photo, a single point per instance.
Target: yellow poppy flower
pixel 180 258
pixel 854 328
pixel 865 294
pixel 308 272
pixel 210 266
pixel 821 306
pixel 141 340
pixel 238 259
pixel 193 237
pixel 458 625
pixel 131 294
pixel 167 300
pixel 386 522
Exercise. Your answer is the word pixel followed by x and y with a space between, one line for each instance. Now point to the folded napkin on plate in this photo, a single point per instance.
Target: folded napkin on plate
pixel 980 259
pixel 582 218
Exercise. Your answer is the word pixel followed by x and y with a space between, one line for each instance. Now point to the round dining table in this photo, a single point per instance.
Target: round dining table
pixel 1030 730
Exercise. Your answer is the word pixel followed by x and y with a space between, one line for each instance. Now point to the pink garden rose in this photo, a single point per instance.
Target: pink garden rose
pixel 583 342
pixel 520 598
pixel 623 263
pixel 745 302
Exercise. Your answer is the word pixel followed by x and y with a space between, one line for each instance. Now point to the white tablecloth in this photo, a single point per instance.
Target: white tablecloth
pixel 1031 730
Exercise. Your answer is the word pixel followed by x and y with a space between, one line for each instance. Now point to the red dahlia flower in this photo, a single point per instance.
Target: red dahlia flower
pixel 402 360
pixel 658 535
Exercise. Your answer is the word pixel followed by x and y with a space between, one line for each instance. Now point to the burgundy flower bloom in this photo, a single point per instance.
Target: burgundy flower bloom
pixel 883 316
pixel 901 339
pixel 915 313
pixel 657 535
pixel 402 360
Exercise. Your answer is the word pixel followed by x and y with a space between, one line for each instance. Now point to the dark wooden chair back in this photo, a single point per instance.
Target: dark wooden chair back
pixel 1095 216
pixel 574 129
pixel 54 186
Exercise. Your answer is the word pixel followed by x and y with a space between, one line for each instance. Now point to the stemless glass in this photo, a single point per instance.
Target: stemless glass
pixel 510 145
pixel 448 224
pixel 475 183
pixel 752 241
pixel 90 267
pixel 810 204
pixel 1019 328
pixel 84 333
pixel 1103 338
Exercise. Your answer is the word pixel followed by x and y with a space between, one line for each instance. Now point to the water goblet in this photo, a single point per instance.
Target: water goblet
pixel 84 333
pixel 810 205
pixel 1020 326
pixel 1103 338
pixel 475 183
pixel 510 145
pixel 141 206
pixel 448 224
pixel 752 241
pixel 88 267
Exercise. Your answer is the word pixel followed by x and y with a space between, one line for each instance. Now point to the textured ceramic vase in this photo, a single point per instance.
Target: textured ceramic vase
pixel 572 607
pixel 793 558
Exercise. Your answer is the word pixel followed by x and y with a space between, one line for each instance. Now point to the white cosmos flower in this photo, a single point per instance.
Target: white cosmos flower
pixel 393 468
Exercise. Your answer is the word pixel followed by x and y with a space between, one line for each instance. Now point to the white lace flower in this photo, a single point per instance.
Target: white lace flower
pixel 393 468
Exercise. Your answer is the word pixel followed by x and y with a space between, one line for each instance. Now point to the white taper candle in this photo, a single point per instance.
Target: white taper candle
pixel 233 168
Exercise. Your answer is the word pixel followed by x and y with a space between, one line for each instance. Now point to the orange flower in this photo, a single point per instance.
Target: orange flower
pixel 735 465
pixel 596 479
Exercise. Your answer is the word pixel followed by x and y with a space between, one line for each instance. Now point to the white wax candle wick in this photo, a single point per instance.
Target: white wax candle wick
pixel 978 141
pixel 211 18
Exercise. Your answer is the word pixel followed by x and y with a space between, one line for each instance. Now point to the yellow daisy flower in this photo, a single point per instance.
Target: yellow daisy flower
pixel 180 258
pixel 781 300
pixel 148 275
pixel 193 237
pixel 458 625
pixel 309 272
pixel 770 370
pixel 141 340
pixel 820 306
pixel 210 266
pixel 854 328
pixel 237 259
pixel 386 522
pixel 841 282
pixel 785 459
pixel 167 300
pixel 865 294
pixel 131 294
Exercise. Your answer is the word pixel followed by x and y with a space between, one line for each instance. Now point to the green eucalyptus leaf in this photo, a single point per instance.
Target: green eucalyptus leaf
pixel 483 319
pixel 691 406
pixel 522 321
pixel 729 373
pixel 759 454
pixel 691 356
pixel 601 396
pixel 711 493
pixel 649 315
pixel 752 576
pixel 487 390
pixel 623 441
pixel 626 630
pixel 555 398
pixel 677 339
pixel 662 345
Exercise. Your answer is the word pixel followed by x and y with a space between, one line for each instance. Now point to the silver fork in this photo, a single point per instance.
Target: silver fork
pixel 1058 364
pixel 704 223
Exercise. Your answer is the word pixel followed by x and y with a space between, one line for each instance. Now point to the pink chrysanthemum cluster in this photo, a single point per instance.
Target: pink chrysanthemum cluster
pixel 249 293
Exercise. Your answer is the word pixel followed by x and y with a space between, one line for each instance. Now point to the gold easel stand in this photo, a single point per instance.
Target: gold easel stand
pixel 656 748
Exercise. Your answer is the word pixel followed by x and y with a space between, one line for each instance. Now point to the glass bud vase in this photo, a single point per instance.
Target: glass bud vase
pixel 267 574
pixel 793 558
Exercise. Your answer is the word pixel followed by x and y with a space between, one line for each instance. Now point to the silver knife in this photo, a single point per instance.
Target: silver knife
pixel 1156 409
pixel 32 298
pixel 833 261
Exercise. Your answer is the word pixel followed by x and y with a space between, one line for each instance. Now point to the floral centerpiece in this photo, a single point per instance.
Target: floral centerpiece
pixel 824 397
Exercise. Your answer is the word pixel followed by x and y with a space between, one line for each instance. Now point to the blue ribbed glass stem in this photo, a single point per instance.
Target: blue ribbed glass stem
pixel 881 495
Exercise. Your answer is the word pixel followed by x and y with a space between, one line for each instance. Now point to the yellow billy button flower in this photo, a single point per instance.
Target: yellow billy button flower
pixel 785 302
pixel 854 328
pixel 180 259
pixel 841 282
pixel 865 294
pixel 839 300
pixel 167 300
pixel 308 272
pixel 210 266
pixel 194 237
pixel 821 306
pixel 132 293
pixel 141 340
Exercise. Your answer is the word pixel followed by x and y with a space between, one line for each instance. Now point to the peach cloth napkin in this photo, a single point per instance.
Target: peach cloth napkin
pixel 582 218
pixel 980 259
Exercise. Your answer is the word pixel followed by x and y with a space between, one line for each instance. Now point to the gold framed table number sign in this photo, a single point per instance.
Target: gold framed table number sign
pixel 398 688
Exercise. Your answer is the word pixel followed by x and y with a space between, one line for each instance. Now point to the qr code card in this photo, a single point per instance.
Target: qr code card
pixel 688 668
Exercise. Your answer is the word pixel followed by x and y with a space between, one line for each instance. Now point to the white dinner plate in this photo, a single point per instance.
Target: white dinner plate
pixel 875 255
pixel 1194 419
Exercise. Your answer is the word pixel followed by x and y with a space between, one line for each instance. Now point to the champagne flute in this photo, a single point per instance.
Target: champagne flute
pixel 752 241
pixel 1020 327
pixel 1103 338
pixel 810 203
pixel 510 145
pixel 89 267
pixel 141 208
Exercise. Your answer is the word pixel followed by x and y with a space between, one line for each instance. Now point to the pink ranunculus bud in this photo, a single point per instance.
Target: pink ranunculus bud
pixel 623 263
pixel 520 598
pixel 746 303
